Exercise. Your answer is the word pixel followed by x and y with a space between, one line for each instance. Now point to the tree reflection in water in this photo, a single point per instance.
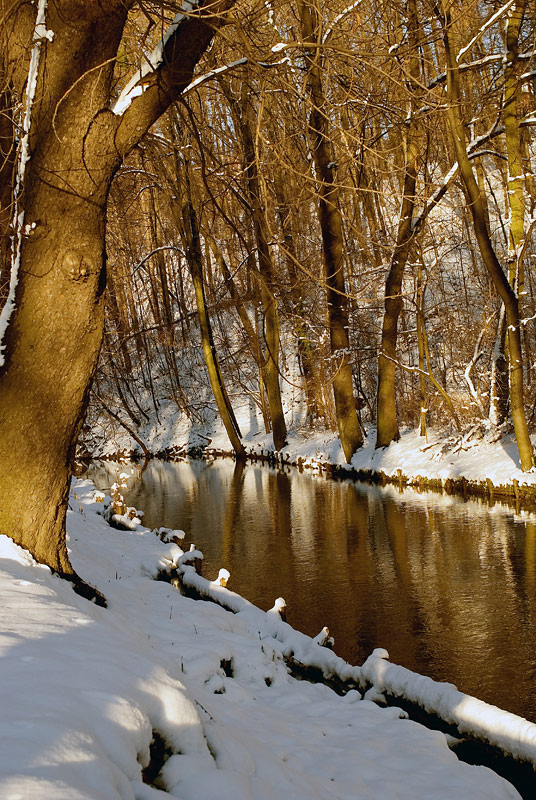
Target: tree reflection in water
pixel 447 587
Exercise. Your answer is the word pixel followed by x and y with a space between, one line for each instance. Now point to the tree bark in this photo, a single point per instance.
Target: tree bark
pixel 243 112
pixel 7 160
pixel 195 263
pixel 386 415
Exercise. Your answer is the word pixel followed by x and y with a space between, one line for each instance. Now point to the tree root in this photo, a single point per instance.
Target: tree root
pixel 84 589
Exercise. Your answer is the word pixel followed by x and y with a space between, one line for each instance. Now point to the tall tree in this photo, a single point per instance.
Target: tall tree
pixel 387 424
pixel 331 228
pixel 61 65
pixel 505 290
pixel 243 113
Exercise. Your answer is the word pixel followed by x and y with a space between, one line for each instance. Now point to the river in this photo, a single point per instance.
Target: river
pixel 447 586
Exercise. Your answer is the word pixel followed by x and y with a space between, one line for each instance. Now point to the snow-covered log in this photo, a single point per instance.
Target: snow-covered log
pixel 512 734
pixel 296 645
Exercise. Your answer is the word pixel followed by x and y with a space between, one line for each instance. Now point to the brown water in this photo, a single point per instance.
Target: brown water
pixel 447 587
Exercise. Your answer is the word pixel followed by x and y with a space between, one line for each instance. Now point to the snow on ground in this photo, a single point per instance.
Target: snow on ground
pixel 432 457
pixel 85 688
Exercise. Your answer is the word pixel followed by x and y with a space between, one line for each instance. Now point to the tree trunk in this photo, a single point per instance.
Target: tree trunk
pixel 332 240
pixel 421 348
pixel 54 333
pixel 386 417
pixel 505 291
pixel 249 330
pixel 52 346
pixel 242 112
pixel 7 156
pixel 195 263
pixel 515 198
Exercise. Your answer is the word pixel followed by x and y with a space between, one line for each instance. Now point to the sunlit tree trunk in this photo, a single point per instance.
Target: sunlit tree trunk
pixel 243 111
pixel 386 420
pixel 421 333
pixel 332 237
pixel 55 331
pixel 195 263
pixel 505 291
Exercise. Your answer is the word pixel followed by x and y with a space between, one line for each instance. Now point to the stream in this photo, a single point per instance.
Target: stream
pixel 447 586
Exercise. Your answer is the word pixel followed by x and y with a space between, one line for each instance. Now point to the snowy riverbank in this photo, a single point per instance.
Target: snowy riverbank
pixel 85 691
pixel 486 460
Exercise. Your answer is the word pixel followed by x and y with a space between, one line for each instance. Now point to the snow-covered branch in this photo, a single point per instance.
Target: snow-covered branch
pixel 214 73
pixel 492 58
pixel 440 192
pixel 136 86
pixel 477 353
pixel 486 26
pixel 339 17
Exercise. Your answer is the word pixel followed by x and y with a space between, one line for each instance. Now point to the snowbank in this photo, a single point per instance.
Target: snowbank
pixel 480 458
pixel 512 734
pixel 87 692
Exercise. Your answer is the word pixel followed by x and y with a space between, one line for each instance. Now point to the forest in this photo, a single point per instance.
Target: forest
pixel 346 188
pixel 340 200
pixel 310 223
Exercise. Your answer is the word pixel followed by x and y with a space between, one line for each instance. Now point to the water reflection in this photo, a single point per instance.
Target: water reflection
pixel 446 586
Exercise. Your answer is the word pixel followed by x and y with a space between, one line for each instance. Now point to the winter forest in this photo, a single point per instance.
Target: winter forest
pixel 297 232
pixel 332 190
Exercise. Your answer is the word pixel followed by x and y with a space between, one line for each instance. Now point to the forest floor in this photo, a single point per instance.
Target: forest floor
pixel 164 695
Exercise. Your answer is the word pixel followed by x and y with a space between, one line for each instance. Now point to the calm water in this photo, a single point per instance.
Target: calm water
pixel 447 587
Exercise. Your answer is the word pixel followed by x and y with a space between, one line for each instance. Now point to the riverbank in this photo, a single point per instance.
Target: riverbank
pixel 481 463
pixel 161 695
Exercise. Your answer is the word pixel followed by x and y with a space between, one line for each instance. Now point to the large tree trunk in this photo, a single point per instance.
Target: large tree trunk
pixel 54 332
pixel 52 345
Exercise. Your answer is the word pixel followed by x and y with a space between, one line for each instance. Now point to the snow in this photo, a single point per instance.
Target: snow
pixel 511 733
pixel 84 689
pixel 153 61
